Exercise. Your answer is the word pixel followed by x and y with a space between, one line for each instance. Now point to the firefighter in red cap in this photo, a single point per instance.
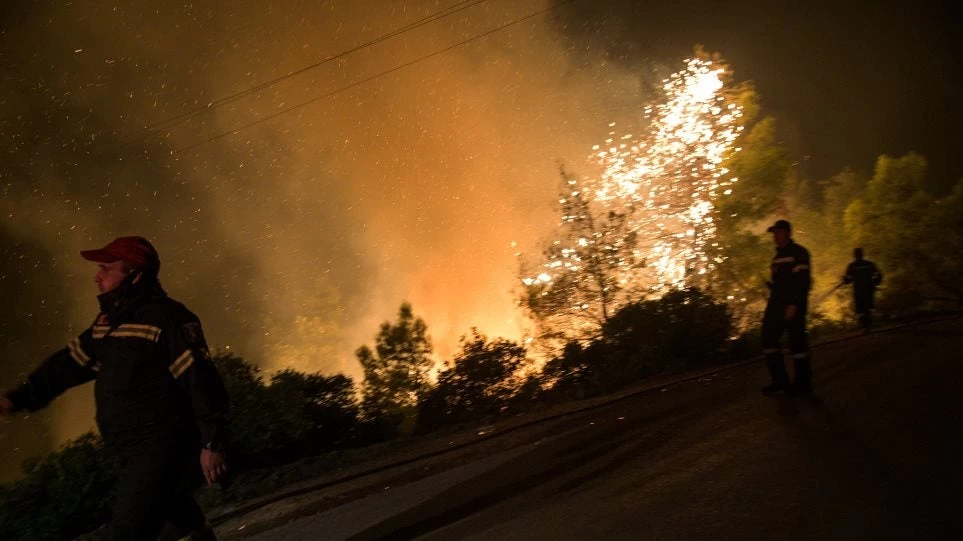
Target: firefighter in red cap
pixel 786 312
pixel 160 401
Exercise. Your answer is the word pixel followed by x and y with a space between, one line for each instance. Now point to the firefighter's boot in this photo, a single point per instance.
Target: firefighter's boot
pixel 777 373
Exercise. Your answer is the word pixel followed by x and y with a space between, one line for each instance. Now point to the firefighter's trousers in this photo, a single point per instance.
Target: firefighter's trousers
pixel 154 492
pixel 774 325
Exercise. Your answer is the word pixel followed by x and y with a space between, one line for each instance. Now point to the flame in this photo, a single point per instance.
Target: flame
pixel 665 183
pixel 668 180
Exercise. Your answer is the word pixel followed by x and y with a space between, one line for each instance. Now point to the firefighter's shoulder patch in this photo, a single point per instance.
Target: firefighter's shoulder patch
pixel 193 333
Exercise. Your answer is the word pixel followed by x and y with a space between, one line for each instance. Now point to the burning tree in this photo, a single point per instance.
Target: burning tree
pixel 586 274
pixel 667 182
pixel 648 223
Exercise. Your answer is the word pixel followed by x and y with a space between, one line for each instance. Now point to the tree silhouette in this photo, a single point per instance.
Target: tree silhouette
pixel 396 371
pixel 909 232
pixel 479 382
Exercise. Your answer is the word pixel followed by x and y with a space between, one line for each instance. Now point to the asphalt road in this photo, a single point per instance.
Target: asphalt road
pixel 877 453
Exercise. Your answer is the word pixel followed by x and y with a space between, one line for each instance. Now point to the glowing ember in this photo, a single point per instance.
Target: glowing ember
pixel 653 202
pixel 666 183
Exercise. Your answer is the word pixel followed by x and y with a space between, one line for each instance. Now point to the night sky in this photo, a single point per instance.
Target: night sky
pixel 294 238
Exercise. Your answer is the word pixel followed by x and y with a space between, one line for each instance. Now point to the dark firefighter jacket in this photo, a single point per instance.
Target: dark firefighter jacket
pixel 154 379
pixel 790 276
pixel 864 275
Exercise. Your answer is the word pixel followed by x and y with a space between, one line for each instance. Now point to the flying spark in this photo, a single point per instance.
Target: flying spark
pixel 667 182
pixel 648 223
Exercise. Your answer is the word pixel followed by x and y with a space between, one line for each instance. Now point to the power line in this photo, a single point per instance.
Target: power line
pixel 176 120
pixel 372 78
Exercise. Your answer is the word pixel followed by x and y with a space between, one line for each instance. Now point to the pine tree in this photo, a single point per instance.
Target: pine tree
pixel 396 371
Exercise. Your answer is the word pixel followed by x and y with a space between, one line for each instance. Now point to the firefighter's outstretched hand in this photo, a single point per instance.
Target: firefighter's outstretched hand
pixel 213 465
pixel 791 312
pixel 6 406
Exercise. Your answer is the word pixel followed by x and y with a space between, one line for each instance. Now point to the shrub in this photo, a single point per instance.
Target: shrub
pixel 293 415
pixel 328 403
pixel 682 330
pixel 63 494
pixel 478 383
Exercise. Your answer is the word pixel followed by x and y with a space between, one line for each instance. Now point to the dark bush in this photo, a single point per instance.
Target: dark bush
pixel 328 402
pixel 263 422
pixel 478 383
pixel 63 494
pixel 570 376
pixel 682 330
pixel 294 415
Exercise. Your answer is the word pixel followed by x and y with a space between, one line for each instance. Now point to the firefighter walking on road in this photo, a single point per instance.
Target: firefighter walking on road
pixel 160 401
pixel 786 312
pixel 865 277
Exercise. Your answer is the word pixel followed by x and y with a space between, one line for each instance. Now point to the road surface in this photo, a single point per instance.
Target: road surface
pixel 877 453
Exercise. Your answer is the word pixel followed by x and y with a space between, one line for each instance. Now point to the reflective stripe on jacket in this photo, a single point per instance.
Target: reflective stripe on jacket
pixel 152 370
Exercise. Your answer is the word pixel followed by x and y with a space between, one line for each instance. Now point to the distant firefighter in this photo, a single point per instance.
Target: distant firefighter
pixel 865 277
pixel 786 311
pixel 160 400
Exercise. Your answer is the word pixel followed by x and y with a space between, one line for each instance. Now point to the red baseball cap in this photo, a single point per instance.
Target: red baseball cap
pixel 135 251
